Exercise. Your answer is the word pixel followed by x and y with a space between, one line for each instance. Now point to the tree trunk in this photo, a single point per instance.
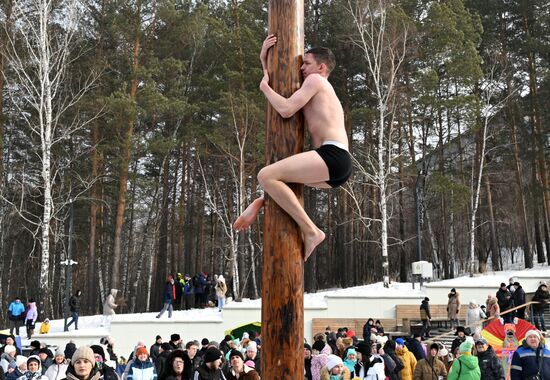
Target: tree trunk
pixel 495 254
pixel 126 153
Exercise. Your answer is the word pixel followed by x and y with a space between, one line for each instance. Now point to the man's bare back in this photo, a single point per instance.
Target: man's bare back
pixel 329 165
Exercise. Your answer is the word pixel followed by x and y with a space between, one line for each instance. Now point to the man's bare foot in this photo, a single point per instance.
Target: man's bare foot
pixel 249 215
pixel 311 241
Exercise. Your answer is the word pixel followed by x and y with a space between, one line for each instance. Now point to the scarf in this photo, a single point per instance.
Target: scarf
pixel 350 364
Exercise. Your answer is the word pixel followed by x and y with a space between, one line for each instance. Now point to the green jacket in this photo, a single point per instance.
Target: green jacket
pixel 466 367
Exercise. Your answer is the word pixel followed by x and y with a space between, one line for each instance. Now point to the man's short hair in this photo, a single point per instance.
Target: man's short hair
pixel 323 55
pixel 188 345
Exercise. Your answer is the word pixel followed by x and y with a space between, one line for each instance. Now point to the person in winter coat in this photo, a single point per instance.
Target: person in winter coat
pixel 519 299
pixel 14 370
pixel 425 317
pixel 211 368
pixel 109 307
pixel 82 366
pixel 318 360
pixel 16 315
pixel 390 350
pixel 107 372
pixel 30 317
pixel 252 354
pixel 335 369
pixel 46 359
pixel 407 358
pixel 430 368
pixel 460 338
pixel 200 287
pixel 367 329
pixel 142 367
pixel 7 357
pixel 34 370
pixel 542 297
pixel 466 366
pixel 174 366
pixel 239 370
pixel 10 341
pixel 489 363
pixel 453 307
pixel 45 327
pixel 308 355
pixel 415 346
pixel 163 366
pixel 59 367
pixel 531 359
pixel 191 359
pixel 350 360
pixel 221 290
pixel 188 293
pixel 505 302
pixel 169 297
pixel 155 348
pixel 474 316
pixel 493 310
pixel 74 306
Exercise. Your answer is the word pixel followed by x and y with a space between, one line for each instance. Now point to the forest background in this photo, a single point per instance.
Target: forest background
pixel 143 120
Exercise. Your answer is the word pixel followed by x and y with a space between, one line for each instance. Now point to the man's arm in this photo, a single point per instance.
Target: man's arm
pixel 288 107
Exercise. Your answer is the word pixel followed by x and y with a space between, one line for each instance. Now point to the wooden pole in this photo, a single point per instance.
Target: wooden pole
pixel 283 262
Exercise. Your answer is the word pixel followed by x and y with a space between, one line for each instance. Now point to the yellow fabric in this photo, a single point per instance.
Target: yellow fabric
pixel 409 363
pixel 44 328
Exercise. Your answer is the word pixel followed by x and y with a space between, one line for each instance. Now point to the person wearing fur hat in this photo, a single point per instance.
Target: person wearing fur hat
pixel 46 359
pixel 466 366
pixel 453 307
pixel 107 372
pixel 430 368
pixel 57 370
pixel 142 368
pixel 407 358
pixel 82 365
pixel 34 370
pixel 542 297
pixel 335 369
pixel 532 359
pixel 211 368
pixel 221 290
pixel 169 297
pixel 238 369
pixel 460 338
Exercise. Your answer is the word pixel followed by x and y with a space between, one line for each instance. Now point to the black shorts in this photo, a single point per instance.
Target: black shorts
pixel 339 163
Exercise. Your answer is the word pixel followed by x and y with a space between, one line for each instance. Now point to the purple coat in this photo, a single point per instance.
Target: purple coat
pixel 32 313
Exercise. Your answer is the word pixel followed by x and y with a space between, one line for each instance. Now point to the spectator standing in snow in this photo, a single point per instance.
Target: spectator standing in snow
pixel 474 316
pixel 453 307
pixel 489 363
pixel 16 315
pixel 109 307
pixel 30 318
pixel 519 299
pixel 542 297
pixel 142 367
pixel 82 366
pixel 169 297
pixel 188 293
pixel 221 289
pixel 505 302
pixel 74 306
pixel 45 326
pixel 425 317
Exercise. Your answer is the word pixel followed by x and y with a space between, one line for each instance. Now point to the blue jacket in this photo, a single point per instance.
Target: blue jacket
pixel 16 310
pixel 169 295
pixel 142 370
pixel 526 362
pixel 188 288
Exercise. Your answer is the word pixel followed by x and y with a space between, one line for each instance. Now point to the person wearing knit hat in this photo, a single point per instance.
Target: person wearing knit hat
pixel 154 350
pixel 335 369
pixel 211 368
pixel 58 369
pixel 407 359
pixel 532 359
pixel 141 367
pixel 252 354
pixel 431 367
pixel 351 360
pixel 466 366
pixel 239 370
pixel 100 359
pixel 82 366
pixel 8 357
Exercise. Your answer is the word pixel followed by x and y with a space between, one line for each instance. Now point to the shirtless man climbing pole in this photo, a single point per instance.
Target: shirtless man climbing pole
pixel 328 165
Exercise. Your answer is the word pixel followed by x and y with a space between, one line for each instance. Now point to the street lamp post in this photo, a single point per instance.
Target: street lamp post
pixel 68 270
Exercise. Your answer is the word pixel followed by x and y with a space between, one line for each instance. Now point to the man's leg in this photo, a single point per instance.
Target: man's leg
pixel 306 168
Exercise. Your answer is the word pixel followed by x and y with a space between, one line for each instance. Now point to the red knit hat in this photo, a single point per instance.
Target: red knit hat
pixel 142 350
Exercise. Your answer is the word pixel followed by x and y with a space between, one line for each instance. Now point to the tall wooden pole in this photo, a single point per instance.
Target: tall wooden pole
pixel 283 263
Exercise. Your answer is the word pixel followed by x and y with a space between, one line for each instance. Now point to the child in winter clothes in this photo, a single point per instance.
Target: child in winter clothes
pixel 30 319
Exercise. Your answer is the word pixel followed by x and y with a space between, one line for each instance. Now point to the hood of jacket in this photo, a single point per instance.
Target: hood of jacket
pixel 469 361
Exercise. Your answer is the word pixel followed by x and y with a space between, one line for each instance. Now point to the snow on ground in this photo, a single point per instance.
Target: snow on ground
pixel 91 325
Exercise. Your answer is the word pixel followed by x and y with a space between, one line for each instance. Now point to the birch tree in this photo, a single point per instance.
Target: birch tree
pixel 382 32
pixel 41 51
